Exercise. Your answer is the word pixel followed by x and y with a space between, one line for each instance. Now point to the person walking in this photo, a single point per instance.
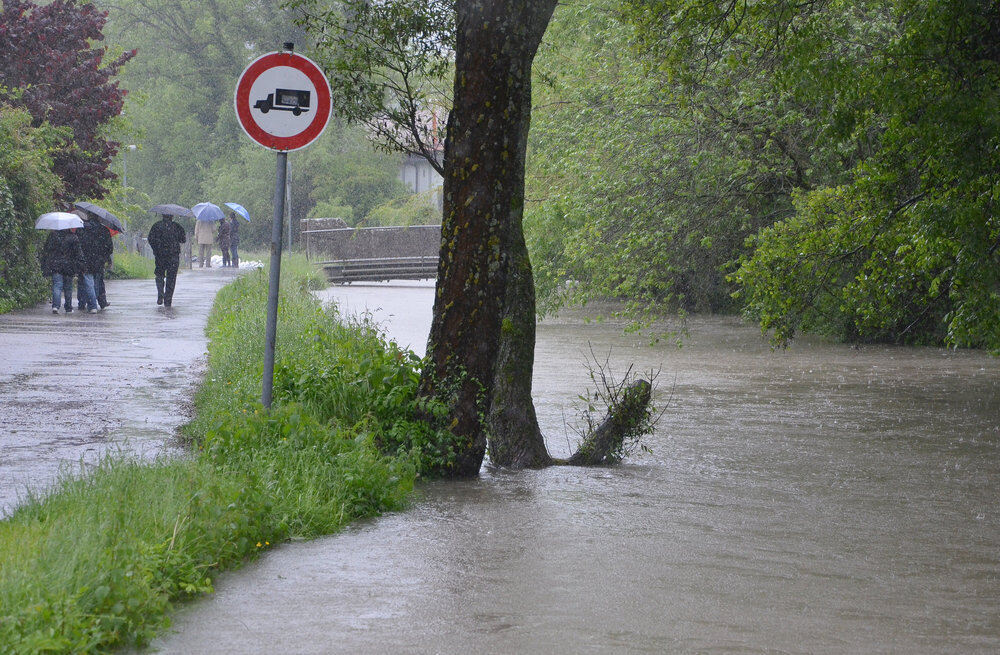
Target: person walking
pixel 234 241
pixel 165 238
pixel 204 236
pixel 224 234
pixel 62 260
pixel 95 242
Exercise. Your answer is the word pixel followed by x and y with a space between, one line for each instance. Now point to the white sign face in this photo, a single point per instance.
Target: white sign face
pixel 283 101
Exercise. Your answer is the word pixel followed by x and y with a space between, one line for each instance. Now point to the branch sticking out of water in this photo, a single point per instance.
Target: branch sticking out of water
pixel 628 418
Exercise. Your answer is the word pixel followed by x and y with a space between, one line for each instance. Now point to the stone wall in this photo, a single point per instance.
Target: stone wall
pixel 334 244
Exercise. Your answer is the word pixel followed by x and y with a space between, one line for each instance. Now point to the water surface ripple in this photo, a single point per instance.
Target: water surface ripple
pixel 824 499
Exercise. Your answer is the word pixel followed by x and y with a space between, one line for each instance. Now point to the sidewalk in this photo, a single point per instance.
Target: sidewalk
pixel 73 387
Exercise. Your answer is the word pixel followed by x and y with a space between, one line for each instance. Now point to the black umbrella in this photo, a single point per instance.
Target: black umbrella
pixel 103 215
pixel 172 210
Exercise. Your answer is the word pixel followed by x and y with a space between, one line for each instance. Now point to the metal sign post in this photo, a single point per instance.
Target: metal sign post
pixel 271 331
pixel 283 102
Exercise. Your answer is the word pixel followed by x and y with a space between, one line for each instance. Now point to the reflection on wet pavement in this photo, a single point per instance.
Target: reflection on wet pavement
pixel 76 386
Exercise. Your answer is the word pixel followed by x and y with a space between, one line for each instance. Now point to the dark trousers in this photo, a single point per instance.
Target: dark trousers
pixel 234 257
pixel 166 276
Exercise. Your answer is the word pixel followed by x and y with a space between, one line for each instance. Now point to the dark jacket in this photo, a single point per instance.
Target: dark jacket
pixel 234 232
pixel 165 238
pixel 95 240
pixel 225 234
pixel 62 254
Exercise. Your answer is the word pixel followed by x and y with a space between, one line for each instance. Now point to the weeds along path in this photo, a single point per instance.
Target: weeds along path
pixel 76 386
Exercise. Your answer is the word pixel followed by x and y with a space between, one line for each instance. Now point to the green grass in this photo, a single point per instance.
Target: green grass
pixel 98 563
pixel 129 266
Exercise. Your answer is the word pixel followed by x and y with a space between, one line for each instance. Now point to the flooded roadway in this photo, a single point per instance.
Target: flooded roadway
pixel 820 500
pixel 76 386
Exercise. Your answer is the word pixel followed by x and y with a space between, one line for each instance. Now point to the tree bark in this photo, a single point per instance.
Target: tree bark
pixel 515 439
pixel 485 148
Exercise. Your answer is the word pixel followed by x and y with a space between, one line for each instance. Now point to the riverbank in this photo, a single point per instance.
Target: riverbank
pixel 99 561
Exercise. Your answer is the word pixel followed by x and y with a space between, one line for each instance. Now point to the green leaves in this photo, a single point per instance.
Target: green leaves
pixel 829 166
pixel 907 247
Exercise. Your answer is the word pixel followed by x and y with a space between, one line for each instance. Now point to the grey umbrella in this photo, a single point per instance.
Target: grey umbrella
pixel 172 210
pixel 103 215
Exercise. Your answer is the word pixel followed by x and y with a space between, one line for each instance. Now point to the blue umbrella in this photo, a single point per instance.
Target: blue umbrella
pixel 206 211
pixel 239 209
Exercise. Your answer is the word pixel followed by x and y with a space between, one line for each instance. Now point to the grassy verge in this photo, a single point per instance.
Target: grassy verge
pixel 99 562
pixel 130 266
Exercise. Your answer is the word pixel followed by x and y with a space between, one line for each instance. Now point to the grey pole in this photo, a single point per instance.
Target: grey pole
pixel 125 168
pixel 272 289
pixel 288 202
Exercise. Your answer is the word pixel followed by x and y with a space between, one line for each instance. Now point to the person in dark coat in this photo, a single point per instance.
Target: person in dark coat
pixel 62 259
pixel 225 230
pixel 165 238
pixel 234 240
pixel 95 241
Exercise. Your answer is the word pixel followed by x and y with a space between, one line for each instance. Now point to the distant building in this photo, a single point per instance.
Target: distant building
pixel 418 174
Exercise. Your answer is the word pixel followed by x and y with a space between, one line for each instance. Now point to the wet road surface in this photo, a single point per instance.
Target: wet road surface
pixel 76 386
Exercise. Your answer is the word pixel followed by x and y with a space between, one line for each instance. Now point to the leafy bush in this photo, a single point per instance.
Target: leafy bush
pixel 26 187
pixel 415 209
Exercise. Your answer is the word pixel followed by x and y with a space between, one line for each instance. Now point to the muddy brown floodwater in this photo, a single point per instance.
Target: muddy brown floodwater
pixel 819 500
pixel 74 387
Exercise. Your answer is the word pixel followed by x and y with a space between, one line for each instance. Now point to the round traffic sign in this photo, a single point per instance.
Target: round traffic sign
pixel 283 101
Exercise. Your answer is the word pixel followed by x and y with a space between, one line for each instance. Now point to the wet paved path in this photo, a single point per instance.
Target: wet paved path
pixel 75 386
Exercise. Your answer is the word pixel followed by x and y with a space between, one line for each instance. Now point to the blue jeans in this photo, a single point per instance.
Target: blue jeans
pixel 59 281
pixel 86 296
pixel 234 257
pixel 99 291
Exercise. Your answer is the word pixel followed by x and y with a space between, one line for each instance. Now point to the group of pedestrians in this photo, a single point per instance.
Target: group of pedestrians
pixel 84 254
pixel 227 236
pixel 81 254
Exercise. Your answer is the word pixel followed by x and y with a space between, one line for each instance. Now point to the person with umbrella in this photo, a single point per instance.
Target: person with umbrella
pixel 114 226
pixel 225 234
pixel 165 238
pixel 204 232
pixel 95 241
pixel 204 236
pixel 234 230
pixel 62 257
pixel 234 241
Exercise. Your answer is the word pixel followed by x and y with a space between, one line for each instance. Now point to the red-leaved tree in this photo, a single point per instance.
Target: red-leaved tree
pixel 49 66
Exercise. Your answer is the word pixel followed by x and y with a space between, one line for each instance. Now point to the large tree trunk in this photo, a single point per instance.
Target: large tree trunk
pixel 515 439
pixel 496 42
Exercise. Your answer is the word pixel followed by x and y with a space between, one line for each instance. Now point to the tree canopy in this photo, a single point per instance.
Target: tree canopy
pixel 191 147
pixel 824 165
pixel 50 66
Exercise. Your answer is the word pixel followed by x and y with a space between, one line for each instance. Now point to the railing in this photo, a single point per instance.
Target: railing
pixel 378 270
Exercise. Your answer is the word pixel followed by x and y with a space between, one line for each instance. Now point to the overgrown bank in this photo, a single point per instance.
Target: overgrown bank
pixel 98 563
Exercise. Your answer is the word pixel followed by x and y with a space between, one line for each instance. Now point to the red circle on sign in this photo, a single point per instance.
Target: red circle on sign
pixel 323 105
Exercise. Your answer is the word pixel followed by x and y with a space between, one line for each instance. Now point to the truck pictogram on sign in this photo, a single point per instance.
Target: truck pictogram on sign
pixel 293 100
pixel 282 101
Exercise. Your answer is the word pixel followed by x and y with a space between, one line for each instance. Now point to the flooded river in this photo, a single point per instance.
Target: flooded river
pixel 824 499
